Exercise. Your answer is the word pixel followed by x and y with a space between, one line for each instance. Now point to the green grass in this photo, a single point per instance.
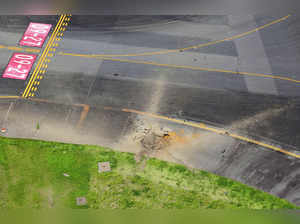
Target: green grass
pixel 31 174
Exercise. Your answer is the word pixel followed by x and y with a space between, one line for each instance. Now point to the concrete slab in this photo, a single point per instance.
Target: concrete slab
pixel 252 57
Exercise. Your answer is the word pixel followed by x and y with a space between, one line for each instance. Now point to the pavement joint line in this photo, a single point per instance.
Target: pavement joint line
pixel 190 47
pixel 202 126
pixel 200 69
pixel 43 57
pixel 7 113
pixel 140 27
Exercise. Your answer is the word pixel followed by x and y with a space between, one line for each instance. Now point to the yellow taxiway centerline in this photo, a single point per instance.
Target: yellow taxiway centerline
pixel 192 68
pixel 185 48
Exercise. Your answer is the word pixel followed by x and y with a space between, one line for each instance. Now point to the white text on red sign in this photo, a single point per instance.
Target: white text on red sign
pixel 19 66
pixel 35 35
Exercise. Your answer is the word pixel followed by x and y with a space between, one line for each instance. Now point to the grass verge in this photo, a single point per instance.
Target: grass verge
pixel 32 175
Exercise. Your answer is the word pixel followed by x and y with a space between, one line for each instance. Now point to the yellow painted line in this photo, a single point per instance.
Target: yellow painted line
pixel 14 48
pixel 215 130
pixel 43 57
pixel 9 97
pixel 187 48
pixel 40 63
pixel 196 68
pixel 83 114
pixel 265 145
pixel 187 123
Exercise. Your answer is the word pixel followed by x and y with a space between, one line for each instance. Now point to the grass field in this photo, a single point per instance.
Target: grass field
pixel 31 174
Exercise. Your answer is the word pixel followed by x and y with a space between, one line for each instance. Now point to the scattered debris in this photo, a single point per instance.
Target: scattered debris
pixel 151 138
pixel 66 175
pixel 223 153
pixel 166 130
pixel 154 138
pixel 81 201
pixel 226 133
pixel 180 113
pixel 153 142
pixel 104 167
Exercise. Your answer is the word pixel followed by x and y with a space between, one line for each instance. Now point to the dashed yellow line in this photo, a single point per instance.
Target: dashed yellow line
pixel 43 57
pixel 186 48
pixel 195 68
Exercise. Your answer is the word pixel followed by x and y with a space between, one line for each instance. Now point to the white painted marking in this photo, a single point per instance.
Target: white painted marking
pixel 7 113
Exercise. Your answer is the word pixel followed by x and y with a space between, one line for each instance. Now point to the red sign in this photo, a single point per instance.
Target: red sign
pixel 19 66
pixel 35 35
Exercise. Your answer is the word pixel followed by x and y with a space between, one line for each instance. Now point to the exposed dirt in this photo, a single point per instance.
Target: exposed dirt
pixel 149 138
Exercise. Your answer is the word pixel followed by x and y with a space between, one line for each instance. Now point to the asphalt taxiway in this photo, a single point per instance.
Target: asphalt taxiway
pixel 234 80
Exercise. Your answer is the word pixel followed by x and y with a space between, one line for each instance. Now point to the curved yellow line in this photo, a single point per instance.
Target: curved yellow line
pixel 187 123
pixel 215 130
pixel 190 47
pixel 190 67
